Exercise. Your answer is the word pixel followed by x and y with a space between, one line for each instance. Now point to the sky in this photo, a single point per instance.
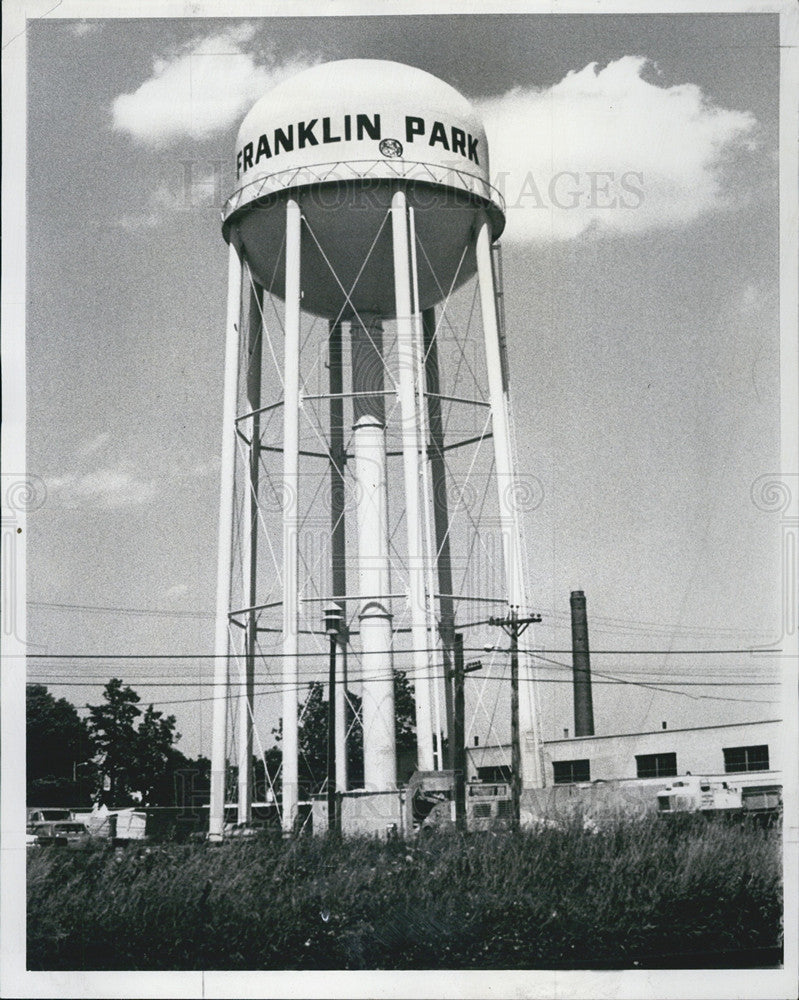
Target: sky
pixel 638 159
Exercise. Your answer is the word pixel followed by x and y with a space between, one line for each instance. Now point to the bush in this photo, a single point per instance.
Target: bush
pixel 641 892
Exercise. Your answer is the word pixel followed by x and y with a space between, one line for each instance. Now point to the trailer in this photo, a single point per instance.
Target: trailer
pixel 699 795
pixel 711 798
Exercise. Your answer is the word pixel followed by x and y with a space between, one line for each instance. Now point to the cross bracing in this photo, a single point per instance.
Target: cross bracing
pixel 472 531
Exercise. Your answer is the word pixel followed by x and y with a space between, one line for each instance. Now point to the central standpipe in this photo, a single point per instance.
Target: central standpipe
pixel 374 577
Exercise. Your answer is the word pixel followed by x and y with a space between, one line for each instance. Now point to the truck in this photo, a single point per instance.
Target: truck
pixel 430 802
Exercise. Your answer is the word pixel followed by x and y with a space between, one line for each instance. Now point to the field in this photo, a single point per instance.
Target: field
pixel 640 893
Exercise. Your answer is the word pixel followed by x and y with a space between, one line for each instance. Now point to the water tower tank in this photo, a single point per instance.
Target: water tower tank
pixel 340 138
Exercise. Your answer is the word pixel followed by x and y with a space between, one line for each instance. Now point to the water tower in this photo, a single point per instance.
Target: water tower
pixel 362 201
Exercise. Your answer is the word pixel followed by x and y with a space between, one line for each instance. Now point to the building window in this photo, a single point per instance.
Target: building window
pixel 493 773
pixel 566 772
pixel 656 765
pixel 746 759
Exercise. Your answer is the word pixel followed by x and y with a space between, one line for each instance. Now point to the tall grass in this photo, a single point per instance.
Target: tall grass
pixel 642 892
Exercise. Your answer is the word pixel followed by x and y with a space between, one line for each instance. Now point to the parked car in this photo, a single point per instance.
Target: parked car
pixel 62 834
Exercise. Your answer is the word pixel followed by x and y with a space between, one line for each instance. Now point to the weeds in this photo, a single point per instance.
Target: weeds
pixel 640 893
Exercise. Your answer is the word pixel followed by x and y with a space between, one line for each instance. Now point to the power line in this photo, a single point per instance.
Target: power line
pixel 736 676
pixel 749 650
pixel 608 623
pixel 606 679
pixel 154 669
pixel 192 656
pixel 745 701
pixel 277 687
pixel 120 610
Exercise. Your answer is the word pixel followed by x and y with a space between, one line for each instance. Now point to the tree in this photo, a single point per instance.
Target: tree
pixel 191 781
pixel 312 737
pixel 156 759
pixel 267 779
pixel 115 738
pixel 141 760
pixel 59 751
pixel 404 709
pixel 404 715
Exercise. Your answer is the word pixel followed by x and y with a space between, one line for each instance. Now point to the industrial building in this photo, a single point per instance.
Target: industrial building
pixel 749 753
pixel 630 768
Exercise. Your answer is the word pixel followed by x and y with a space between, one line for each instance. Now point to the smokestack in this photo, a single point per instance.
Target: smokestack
pixel 581 668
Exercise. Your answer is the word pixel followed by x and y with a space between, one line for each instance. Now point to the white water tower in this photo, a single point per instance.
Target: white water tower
pixel 362 200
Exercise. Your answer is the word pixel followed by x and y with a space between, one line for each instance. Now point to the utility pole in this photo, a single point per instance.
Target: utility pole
pixel 458 736
pixel 338 531
pixel 458 674
pixel 332 625
pixel 514 626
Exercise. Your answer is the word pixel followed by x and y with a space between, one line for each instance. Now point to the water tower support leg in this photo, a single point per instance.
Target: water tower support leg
pixel 440 514
pixel 250 552
pixel 225 547
pixel 506 478
pixel 291 470
pixel 411 469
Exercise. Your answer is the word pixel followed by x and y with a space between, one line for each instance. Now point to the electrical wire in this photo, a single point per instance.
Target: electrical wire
pixel 278 685
pixel 748 650
pixel 556 619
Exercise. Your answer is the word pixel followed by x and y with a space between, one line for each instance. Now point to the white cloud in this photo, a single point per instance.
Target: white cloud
pixel 751 299
pixel 92 445
pixel 609 150
pixel 141 222
pixel 177 590
pixel 603 149
pixel 107 488
pixel 82 28
pixel 199 89
pixel 203 469
pixel 162 204
pixel 119 484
